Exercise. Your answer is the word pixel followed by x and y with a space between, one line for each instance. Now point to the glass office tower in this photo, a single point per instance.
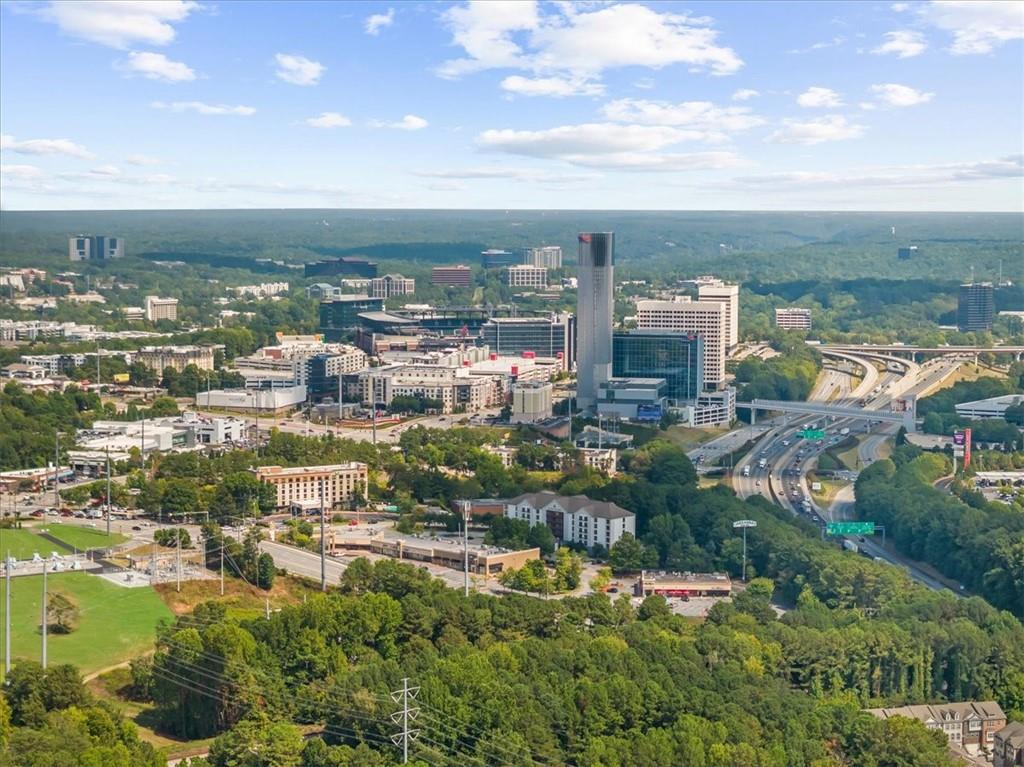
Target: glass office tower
pixel 596 275
pixel 676 357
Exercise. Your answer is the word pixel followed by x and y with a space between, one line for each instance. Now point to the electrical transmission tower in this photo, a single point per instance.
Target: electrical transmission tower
pixel 405 717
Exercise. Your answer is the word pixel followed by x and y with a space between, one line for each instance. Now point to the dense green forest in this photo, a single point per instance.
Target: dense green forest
pixel 979 543
pixel 939 416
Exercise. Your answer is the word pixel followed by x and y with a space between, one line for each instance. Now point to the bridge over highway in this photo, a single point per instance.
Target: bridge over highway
pixel 1016 351
pixel 904 417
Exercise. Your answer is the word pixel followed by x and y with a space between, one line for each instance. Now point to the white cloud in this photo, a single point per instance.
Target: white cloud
pixel 745 94
pixel 896 95
pixel 61 146
pixel 156 66
pixel 978 26
pixel 378 21
pixel 607 145
pixel 106 171
pixel 900 7
pixel 833 43
pixel 1011 166
pixel 142 159
pixel 578 42
pixel 21 172
pixel 204 108
pixel 119 24
pixel 329 120
pixel 818 131
pixel 298 70
pixel 551 86
pixel 816 96
pixel 714 123
pixel 409 122
pixel 506 172
pixel 905 44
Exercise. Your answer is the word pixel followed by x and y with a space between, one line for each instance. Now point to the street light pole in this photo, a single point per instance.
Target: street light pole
pixel 743 524
pixel 108 491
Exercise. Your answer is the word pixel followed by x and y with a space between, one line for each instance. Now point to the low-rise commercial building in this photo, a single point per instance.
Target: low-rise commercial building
pixel 451 276
pixel 525 276
pixel 550 336
pixel 281 399
pixel 993 407
pixel 531 401
pixel 337 484
pixel 573 519
pixel 632 399
pixel 669 584
pixel 970 725
pixel 793 318
pixel 322 291
pixel 54 364
pixel 263 290
pixel 601 459
pixel 495 258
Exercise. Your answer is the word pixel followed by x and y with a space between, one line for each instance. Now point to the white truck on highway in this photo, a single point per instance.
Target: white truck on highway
pixel 746 470
pixel 762 463
pixel 850 546
pixel 844 431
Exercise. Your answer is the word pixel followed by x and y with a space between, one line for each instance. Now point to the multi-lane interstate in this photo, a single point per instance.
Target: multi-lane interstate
pixel 776 467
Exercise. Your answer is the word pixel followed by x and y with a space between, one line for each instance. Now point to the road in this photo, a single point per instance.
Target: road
pixel 788 459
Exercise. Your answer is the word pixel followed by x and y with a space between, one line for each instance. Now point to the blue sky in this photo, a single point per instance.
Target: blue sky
pixel 740 105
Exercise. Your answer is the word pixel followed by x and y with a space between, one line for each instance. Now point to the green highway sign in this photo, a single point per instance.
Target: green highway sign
pixel 850 528
pixel 816 434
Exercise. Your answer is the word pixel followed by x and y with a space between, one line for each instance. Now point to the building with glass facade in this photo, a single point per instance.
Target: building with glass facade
pixel 341 315
pixel 976 307
pixel 544 336
pixel 676 357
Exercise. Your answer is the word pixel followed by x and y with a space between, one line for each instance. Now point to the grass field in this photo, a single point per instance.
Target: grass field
pixel 22 543
pixel 81 538
pixel 114 624
pixel 240 599
pixel 686 438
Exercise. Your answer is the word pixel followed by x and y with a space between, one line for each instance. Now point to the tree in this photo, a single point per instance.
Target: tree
pixel 265 571
pixel 169 537
pixel 258 742
pixel 568 568
pixel 62 613
pixel 629 555
pixel 179 498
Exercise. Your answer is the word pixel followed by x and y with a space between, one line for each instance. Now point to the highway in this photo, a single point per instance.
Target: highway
pixel 787 458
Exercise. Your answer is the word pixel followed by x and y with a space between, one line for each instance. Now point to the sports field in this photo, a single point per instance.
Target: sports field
pixel 114 625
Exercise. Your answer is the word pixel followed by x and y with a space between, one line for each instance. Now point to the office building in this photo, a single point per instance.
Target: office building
pixel 531 401
pixel 676 357
pixel 595 307
pixel 975 309
pixel 711 409
pixel 793 318
pixel 632 399
pixel 263 290
pixel 545 257
pixel 339 316
pixel 573 519
pixel 706 319
pixel 492 258
pixel 905 254
pixel 337 484
pixel 271 401
pixel 551 336
pixel 161 309
pixel 970 725
pixel 392 285
pixel 524 276
pixel 359 267
pixel 86 247
pixel 993 407
pixel 321 291
pixel 159 358
pixel 54 364
pixel 729 295
pixel 451 276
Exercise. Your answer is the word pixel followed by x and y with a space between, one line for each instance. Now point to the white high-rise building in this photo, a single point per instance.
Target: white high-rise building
pixel 546 257
pixel 729 295
pixel 526 276
pixel 705 318
pixel 594 312
pixel 158 308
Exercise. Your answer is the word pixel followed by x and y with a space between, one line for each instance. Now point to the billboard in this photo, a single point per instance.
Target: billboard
pixel 648 412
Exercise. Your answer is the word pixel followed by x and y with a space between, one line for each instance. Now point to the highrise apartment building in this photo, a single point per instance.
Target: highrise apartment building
pixel 546 257
pixel 706 319
pixel 595 305
pixel 158 308
pixel 85 247
pixel 729 295
pixel 975 309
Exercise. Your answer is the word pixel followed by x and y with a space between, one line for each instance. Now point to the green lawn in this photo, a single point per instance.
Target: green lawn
pixel 23 542
pixel 115 623
pixel 77 537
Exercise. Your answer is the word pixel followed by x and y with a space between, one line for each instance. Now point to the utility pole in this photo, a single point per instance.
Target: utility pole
pixel 7 616
pixel 268 608
pixel 46 618
pixel 177 534
pixel 222 566
pixel 323 540
pixel 108 491
pixel 56 473
pixel 404 717
pixel 97 366
pixel 465 550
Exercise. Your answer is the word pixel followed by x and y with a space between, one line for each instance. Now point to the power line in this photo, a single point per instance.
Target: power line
pixel 404 717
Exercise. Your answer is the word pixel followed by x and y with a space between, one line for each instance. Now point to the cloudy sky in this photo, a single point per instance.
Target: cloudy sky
pixel 615 105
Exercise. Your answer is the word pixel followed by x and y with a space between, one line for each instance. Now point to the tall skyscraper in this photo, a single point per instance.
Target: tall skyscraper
pixel 729 295
pixel 594 311
pixel 976 309
pixel 86 247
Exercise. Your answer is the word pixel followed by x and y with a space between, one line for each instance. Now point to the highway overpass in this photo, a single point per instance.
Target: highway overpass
pixel 895 349
pixel 903 417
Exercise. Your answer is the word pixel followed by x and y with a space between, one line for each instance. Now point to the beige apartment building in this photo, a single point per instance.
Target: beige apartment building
pixel 177 357
pixel 725 293
pixel 704 318
pixel 300 484
pixel 158 308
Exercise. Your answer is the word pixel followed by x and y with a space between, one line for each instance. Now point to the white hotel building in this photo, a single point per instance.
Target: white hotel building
pixel 573 519
pixel 705 318
pixel 341 482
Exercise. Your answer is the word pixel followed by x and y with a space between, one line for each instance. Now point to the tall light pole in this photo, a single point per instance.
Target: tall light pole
pixel 108 491
pixel 743 524
pixel 323 540
pixel 46 618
